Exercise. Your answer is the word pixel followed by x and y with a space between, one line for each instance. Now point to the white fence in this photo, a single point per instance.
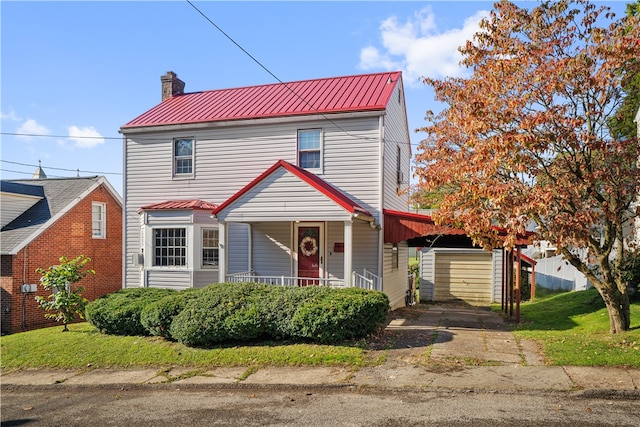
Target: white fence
pixel 367 280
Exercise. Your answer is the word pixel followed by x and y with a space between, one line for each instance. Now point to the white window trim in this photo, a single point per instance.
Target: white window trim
pixel 174 173
pixel 202 248
pixel 320 169
pixel 103 220
pixel 152 244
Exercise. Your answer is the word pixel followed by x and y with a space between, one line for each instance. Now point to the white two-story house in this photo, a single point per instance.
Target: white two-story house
pixel 289 184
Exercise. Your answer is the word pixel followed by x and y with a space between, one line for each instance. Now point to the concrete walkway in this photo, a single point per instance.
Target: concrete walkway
pixel 431 347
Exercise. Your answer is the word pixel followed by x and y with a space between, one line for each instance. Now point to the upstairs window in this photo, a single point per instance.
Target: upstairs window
pixel 209 247
pixel 98 220
pixel 183 156
pixel 310 149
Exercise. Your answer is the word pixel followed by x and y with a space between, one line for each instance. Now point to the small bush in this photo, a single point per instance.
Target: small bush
pixel 221 312
pixel 119 313
pixel 157 316
pixel 341 315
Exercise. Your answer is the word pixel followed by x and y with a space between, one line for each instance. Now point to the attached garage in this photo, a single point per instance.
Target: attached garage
pixel 471 275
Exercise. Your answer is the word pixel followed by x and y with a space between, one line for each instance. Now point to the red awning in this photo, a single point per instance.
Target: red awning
pixel 399 226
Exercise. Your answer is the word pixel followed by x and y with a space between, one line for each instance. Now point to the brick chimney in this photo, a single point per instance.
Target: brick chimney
pixel 171 85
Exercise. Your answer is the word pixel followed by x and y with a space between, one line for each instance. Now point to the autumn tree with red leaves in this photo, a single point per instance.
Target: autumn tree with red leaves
pixel 526 138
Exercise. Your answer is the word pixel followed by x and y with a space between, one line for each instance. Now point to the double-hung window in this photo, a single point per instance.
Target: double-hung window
pixel 183 150
pixel 98 220
pixel 310 149
pixel 169 247
pixel 209 247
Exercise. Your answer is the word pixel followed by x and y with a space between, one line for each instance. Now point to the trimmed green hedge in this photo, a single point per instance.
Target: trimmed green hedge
pixel 240 312
pixel 119 313
pixel 156 317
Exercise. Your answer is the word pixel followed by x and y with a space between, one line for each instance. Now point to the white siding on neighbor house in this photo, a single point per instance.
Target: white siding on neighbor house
pixel 271 253
pixel 229 157
pixel 396 279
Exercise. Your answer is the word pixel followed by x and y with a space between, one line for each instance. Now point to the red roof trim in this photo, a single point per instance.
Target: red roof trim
pixel 313 180
pixel 195 204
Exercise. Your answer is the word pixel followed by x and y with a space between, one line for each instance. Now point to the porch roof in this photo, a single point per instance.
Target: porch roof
pixel 321 186
pixel 195 204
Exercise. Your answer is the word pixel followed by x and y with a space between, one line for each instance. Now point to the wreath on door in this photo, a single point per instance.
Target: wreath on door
pixel 309 246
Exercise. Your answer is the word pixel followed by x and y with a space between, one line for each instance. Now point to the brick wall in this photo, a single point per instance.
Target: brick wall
pixel 70 236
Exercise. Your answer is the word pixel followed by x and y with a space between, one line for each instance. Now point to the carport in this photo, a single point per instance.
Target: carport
pixel 453 268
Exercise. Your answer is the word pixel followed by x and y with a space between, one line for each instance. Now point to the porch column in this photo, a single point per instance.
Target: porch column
pixel 348 256
pixel 222 251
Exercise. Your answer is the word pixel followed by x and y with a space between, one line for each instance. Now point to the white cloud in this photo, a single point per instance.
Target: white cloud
pixel 419 48
pixel 87 137
pixel 11 115
pixel 31 127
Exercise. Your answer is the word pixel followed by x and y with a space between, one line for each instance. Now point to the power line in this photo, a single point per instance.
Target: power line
pixel 60 136
pixel 30 173
pixel 280 81
pixel 60 169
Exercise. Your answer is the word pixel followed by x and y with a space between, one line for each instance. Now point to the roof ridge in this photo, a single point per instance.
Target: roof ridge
pixel 286 83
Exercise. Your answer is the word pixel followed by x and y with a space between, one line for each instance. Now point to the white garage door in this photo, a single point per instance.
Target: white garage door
pixel 464 276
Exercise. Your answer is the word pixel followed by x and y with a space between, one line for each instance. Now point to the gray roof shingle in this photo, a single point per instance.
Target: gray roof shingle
pixel 58 194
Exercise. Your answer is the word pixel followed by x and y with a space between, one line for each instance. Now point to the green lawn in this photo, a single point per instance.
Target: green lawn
pixel 84 347
pixel 573 329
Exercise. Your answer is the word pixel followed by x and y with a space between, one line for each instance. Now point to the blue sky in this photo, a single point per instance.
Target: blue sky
pixel 72 70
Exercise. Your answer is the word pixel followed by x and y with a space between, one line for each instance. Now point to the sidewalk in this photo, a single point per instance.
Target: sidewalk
pixel 472 349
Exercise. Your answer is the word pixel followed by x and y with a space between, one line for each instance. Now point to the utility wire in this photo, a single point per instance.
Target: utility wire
pixel 150 139
pixel 280 81
pixel 61 169
pixel 31 173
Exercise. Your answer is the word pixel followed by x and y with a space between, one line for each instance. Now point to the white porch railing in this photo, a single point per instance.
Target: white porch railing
pixel 367 280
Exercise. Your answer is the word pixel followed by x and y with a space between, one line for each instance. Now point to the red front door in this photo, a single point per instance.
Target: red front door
pixel 309 258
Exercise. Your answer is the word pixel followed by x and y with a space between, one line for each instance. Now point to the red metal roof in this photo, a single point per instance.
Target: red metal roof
pixel 179 205
pixel 313 180
pixel 366 92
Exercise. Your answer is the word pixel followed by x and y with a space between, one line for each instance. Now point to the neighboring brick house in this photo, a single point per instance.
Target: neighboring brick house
pixel 44 219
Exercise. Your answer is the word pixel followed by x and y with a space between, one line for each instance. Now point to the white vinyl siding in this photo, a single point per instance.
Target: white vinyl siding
pixel 396 279
pixel 169 279
pixel 396 142
pixel 350 163
pixel 271 249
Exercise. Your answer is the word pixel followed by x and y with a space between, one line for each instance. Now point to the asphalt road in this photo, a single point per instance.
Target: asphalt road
pixel 168 405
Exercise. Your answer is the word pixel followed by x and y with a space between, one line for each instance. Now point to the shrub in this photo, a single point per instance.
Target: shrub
pixel 222 312
pixel 340 315
pixel 119 313
pixel 157 316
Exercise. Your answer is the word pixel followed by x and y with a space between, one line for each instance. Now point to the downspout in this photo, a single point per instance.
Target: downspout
pixel 124 215
pixel 24 294
pixel 381 204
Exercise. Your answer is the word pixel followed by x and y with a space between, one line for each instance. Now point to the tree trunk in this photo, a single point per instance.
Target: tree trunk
pixel 619 311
